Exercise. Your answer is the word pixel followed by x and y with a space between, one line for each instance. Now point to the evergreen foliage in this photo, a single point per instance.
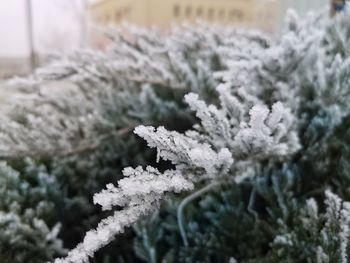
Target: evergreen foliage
pixel 29 230
pixel 255 169
pixel 240 142
pixel 274 215
pixel 75 117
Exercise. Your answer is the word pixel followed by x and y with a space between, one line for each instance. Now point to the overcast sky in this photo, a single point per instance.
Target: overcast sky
pixel 56 26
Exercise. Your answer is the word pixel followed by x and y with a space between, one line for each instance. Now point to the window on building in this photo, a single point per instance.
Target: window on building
pixel 236 15
pixel 240 15
pixel 210 13
pixel 117 16
pixel 176 10
pixel 188 11
pixel 233 14
pixel 199 11
pixel 222 14
pixel 127 11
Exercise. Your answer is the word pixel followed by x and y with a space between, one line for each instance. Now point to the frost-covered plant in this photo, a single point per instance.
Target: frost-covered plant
pixel 325 236
pixel 285 105
pixel 29 232
pixel 77 114
pixel 225 225
pixel 139 193
pixel 261 134
pixel 280 112
pixel 316 90
pixel 137 80
pixel 257 134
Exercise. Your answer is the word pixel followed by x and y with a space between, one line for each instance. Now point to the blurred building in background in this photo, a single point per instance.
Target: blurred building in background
pixel 163 13
pixel 267 15
pixel 260 14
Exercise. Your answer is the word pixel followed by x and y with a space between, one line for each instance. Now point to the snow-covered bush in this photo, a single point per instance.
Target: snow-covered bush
pixel 137 80
pixel 261 136
pixel 29 230
pixel 75 117
pixel 273 126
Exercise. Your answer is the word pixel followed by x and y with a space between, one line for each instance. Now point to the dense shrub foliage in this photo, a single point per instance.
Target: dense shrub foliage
pixel 252 149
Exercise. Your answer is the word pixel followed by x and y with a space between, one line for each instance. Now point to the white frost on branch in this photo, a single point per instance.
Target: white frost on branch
pixel 328 231
pixel 266 134
pixel 139 193
pixel 139 184
pixel 337 222
pixel 185 152
pixel 105 232
pixel 259 134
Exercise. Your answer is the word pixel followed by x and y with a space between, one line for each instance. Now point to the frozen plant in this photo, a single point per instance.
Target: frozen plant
pixel 76 115
pixel 279 107
pixel 319 232
pixel 139 193
pixel 253 135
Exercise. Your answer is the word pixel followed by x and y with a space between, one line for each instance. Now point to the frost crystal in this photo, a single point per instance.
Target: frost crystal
pixel 139 193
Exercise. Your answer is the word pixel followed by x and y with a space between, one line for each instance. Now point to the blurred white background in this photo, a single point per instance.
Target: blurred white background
pixel 56 26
